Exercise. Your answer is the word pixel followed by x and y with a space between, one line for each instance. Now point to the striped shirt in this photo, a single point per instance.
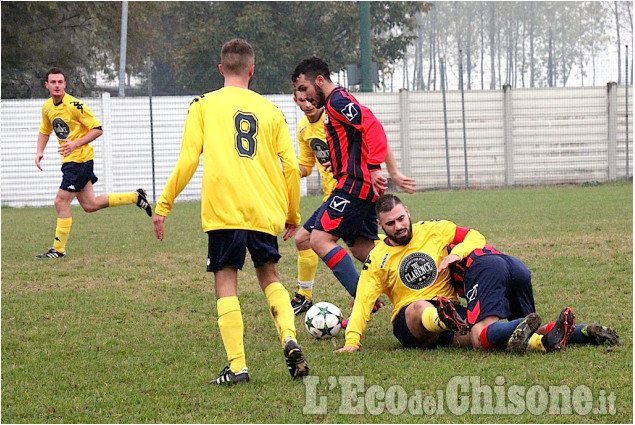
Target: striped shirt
pixel 357 143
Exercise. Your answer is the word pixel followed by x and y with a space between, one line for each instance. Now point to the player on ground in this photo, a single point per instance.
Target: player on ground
pixel 357 147
pixel 411 266
pixel 313 149
pixel 498 286
pixel 75 127
pixel 250 194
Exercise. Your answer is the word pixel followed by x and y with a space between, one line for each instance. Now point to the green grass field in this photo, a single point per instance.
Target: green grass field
pixel 124 329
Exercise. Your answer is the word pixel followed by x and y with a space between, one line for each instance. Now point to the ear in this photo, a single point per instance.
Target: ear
pixel 220 68
pixel 251 70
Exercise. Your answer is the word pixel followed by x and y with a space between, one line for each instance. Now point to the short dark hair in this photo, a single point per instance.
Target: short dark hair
pixel 54 70
pixel 311 68
pixel 236 56
pixel 386 203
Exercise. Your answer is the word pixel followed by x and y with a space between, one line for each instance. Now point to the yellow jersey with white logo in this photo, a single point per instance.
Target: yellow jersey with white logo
pixel 71 120
pixel 407 273
pixel 313 149
pixel 251 179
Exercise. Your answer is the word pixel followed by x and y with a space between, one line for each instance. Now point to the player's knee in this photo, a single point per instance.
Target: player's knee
pixel 89 207
pixel 302 240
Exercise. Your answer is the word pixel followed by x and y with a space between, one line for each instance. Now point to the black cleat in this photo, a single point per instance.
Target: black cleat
pixel 298 367
pixel 519 340
pixel 449 316
pixel 378 304
pixel 227 377
pixel 51 253
pixel 300 304
pixel 556 338
pixel 142 202
pixel 598 335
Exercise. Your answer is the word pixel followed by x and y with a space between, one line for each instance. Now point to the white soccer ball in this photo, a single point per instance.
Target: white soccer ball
pixel 323 320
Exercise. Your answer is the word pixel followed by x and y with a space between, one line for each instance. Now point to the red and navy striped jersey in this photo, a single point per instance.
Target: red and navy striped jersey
pixel 457 270
pixel 357 143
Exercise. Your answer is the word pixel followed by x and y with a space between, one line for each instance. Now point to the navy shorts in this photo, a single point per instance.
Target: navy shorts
pixel 347 217
pixel 401 331
pixel 309 225
pixel 76 175
pixel 498 285
pixel 229 248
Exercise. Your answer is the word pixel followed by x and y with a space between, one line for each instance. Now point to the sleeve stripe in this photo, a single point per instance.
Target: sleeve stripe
pixel 459 234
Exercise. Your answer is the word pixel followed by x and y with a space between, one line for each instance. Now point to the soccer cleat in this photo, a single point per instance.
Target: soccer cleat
pixel 300 304
pixel 598 335
pixel 298 367
pixel 228 377
pixel 378 304
pixel 51 253
pixel 519 340
pixel 449 316
pixel 556 338
pixel 142 202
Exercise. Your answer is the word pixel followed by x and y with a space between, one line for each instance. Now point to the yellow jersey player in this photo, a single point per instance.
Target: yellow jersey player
pixel 411 266
pixel 313 150
pixel 250 194
pixel 76 127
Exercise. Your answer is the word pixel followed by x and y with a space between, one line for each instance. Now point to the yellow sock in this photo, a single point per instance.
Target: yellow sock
pixel 307 267
pixel 281 310
pixel 116 199
pixel 535 343
pixel 62 231
pixel 230 323
pixel 430 320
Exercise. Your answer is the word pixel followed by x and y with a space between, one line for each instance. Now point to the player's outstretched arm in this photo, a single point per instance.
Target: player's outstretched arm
pixel 347 349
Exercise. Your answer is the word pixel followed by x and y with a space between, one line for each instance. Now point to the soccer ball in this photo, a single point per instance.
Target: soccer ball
pixel 323 320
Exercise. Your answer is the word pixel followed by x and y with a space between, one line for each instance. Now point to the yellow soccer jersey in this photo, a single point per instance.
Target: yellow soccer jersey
pixel 71 119
pixel 409 273
pixel 313 149
pixel 251 179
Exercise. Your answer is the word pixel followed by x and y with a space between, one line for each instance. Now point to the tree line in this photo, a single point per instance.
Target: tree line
pixel 525 44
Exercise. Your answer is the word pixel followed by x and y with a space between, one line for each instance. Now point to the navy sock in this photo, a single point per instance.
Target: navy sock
pixel 577 336
pixel 498 333
pixel 343 268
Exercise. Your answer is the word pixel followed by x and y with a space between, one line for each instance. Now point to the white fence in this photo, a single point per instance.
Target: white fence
pixel 512 137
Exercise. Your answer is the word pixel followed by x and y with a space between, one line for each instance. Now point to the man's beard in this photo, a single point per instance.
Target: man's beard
pixel 320 99
pixel 404 238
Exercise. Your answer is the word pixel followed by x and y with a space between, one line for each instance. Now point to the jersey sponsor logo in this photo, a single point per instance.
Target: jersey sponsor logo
pixel 417 271
pixel 350 111
pixel 320 150
pixel 339 204
pixel 472 293
pixel 61 129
